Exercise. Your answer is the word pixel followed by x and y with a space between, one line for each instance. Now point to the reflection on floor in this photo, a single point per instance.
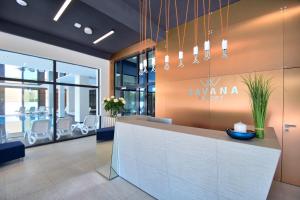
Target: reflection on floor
pixel 66 170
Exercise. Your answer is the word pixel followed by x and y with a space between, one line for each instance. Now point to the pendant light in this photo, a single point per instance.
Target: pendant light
pixel 167 62
pixel 181 41
pixel 145 65
pixel 207 31
pixel 196 54
pixel 141 69
pixel 196 48
pixel 224 48
pixel 206 50
pixel 153 64
pixel 224 43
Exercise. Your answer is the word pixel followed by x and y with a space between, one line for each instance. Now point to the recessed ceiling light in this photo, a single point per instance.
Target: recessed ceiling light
pixel 62 10
pixel 104 36
pixel 77 25
pixel 22 2
pixel 88 30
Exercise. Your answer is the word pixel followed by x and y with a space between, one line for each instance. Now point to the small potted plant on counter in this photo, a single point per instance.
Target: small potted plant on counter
pixel 259 91
pixel 114 105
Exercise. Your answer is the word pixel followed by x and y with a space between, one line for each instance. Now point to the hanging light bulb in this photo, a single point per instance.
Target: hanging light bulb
pixel 167 62
pixel 180 57
pixel 206 50
pixel 145 65
pixel 224 48
pixel 196 55
pixel 141 69
pixel 153 64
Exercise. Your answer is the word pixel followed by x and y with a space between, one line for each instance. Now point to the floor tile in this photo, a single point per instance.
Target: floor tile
pixel 66 171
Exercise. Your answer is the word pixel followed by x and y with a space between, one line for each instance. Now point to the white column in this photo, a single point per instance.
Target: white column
pixel 61 101
pixel 81 99
pixel 49 101
pixel 70 100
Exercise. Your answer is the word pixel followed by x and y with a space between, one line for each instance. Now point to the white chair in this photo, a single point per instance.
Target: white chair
pixel 22 110
pixel 64 127
pixel 32 109
pixel 90 123
pixel 42 109
pixel 40 129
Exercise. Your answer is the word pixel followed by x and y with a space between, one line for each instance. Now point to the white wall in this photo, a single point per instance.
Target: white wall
pixel 27 46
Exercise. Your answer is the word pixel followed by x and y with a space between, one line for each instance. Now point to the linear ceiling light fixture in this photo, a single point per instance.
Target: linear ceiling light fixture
pixel 22 2
pixel 62 10
pixel 104 36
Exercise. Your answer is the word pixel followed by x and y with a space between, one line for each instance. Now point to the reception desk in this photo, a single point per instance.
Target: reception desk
pixel 177 162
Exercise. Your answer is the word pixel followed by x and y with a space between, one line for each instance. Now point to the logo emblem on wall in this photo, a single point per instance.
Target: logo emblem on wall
pixel 212 90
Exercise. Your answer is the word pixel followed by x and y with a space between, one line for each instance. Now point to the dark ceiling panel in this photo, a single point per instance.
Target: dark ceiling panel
pixel 181 4
pixel 36 22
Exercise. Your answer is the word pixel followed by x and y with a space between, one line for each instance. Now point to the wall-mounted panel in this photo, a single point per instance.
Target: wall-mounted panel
pixel 186 102
pixel 263 37
pixel 254 44
pixel 291 33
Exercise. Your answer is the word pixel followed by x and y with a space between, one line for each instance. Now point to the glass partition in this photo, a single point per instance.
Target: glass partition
pixel 37 109
pixel 76 111
pixel 74 74
pixel 18 66
pixel 137 89
pixel 26 113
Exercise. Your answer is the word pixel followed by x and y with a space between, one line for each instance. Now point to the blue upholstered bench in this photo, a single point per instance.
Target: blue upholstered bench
pixel 105 134
pixel 11 151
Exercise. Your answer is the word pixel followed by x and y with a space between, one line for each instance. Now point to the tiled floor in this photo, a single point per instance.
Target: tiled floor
pixel 67 171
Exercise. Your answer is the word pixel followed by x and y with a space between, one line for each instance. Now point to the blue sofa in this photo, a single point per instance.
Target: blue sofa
pixel 105 134
pixel 11 151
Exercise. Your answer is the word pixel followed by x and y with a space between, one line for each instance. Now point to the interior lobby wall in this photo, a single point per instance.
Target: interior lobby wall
pixel 23 45
pixel 263 38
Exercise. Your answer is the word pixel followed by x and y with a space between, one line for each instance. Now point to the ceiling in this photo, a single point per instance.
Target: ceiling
pixel 36 22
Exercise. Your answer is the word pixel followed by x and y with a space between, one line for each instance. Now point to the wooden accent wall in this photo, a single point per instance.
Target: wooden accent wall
pixel 262 38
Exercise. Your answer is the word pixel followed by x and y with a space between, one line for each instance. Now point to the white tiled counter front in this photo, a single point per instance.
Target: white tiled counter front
pixel 177 162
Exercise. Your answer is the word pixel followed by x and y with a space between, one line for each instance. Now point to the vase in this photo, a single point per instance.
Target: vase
pixel 260 132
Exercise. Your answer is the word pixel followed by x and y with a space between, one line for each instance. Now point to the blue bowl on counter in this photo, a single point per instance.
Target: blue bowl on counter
pixel 241 136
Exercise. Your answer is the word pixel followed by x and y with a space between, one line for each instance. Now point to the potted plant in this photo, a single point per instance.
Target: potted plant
pixel 114 105
pixel 259 91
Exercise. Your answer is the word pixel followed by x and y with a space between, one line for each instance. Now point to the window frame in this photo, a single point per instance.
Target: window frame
pixel 115 88
pixel 54 84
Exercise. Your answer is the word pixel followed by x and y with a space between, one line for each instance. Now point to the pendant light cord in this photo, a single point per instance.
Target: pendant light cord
pixel 167 16
pixel 181 44
pixel 204 19
pixel 208 20
pixel 227 23
pixel 196 15
pixel 227 18
pixel 185 23
pixel 158 24
pixel 221 18
pixel 178 31
pixel 150 19
pixel 141 22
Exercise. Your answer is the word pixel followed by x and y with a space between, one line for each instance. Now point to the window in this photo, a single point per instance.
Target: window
pixel 36 108
pixel 74 74
pixel 138 90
